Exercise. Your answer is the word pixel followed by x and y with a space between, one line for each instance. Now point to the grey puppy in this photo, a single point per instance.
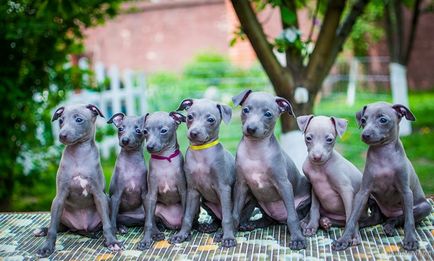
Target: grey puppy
pixel 334 179
pixel 128 184
pixel 80 204
pixel 209 168
pixel 167 189
pixel 265 173
pixel 389 175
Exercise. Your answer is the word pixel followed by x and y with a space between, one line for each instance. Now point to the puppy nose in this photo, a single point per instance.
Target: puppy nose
pixel 194 133
pixel 251 130
pixel 149 147
pixel 125 140
pixel 62 136
pixel 316 157
pixel 366 136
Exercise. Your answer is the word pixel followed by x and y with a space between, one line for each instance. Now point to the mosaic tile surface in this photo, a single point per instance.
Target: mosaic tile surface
pixel 18 243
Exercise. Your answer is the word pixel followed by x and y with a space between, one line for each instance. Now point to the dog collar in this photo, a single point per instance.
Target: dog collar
pixel 169 159
pixel 204 146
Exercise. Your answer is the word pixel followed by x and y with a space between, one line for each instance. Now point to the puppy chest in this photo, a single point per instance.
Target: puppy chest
pixel 202 175
pixel 256 175
pixel 385 180
pixel 80 186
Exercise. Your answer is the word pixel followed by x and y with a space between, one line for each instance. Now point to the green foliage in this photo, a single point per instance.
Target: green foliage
pixel 36 38
pixel 207 69
pixel 368 29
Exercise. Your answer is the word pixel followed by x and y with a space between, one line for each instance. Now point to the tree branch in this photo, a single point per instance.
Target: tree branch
pixel 314 17
pixel 281 79
pixel 411 38
pixel 342 34
pixel 323 45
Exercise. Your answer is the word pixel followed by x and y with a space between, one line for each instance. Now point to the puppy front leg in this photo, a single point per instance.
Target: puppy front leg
pixel 347 196
pixel 227 220
pixel 240 193
pixel 286 191
pixel 191 210
pixel 410 242
pixel 56 213
pixel 101 203
pixel 314 215
pixel 150 202
pixel 115 201
pixel 350 228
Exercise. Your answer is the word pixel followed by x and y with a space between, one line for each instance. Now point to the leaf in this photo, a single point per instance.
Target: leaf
pixel 288 17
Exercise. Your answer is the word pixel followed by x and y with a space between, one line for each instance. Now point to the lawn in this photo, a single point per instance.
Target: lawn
pixel 418 145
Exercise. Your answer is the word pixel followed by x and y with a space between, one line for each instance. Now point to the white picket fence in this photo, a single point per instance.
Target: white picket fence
pixel 123 91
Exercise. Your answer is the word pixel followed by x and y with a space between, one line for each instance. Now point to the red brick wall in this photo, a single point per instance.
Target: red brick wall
pixel 164 36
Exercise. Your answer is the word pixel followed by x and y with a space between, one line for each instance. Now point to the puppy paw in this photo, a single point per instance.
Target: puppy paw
pixel 229 242
pixel 325 223
pixel 309 231
pixel 248 226
pixel 389 229
pixel 297 243
pixel 114 246
pixel 144 244
pixel 122 229
pixel 46 250
pixel 356 240
pixel 303 223
pixel 158 236
pixel 341 244
pixel 179 238
pixel 218 237
pixel 410 243
pixel 208 227
pixel 40 232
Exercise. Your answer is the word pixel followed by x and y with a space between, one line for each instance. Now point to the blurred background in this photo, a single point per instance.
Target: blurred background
pixel 326 57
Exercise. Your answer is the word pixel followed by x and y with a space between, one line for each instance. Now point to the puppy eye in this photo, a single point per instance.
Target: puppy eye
pixel 308 138
pixel 189 117
pixel 78 120
pixel 363 121
pixel 210 120
pixel 329 140
pixel 163 131
pixel 268 114
pixel 246 110
pixel 121 129
pixel 145 131
pixel 383 120
pixel 138 131
pixel 60 121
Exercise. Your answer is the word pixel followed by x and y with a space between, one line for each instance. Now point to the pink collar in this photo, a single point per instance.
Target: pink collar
pixel 169 159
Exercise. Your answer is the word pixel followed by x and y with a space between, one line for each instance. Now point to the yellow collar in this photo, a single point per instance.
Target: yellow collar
pixel 204 146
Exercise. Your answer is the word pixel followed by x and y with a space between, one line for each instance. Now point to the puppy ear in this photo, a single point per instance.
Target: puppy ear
pixel 58 113
pixel 225 112
pixel 240 98
pixel 303 122
pixel 117 119
pixel 185 104
pixel 404 112
pixel 284 106
pixel 178 117
pixel 144 118
pixel 340 125
pixel 95 110
pixel 359 116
